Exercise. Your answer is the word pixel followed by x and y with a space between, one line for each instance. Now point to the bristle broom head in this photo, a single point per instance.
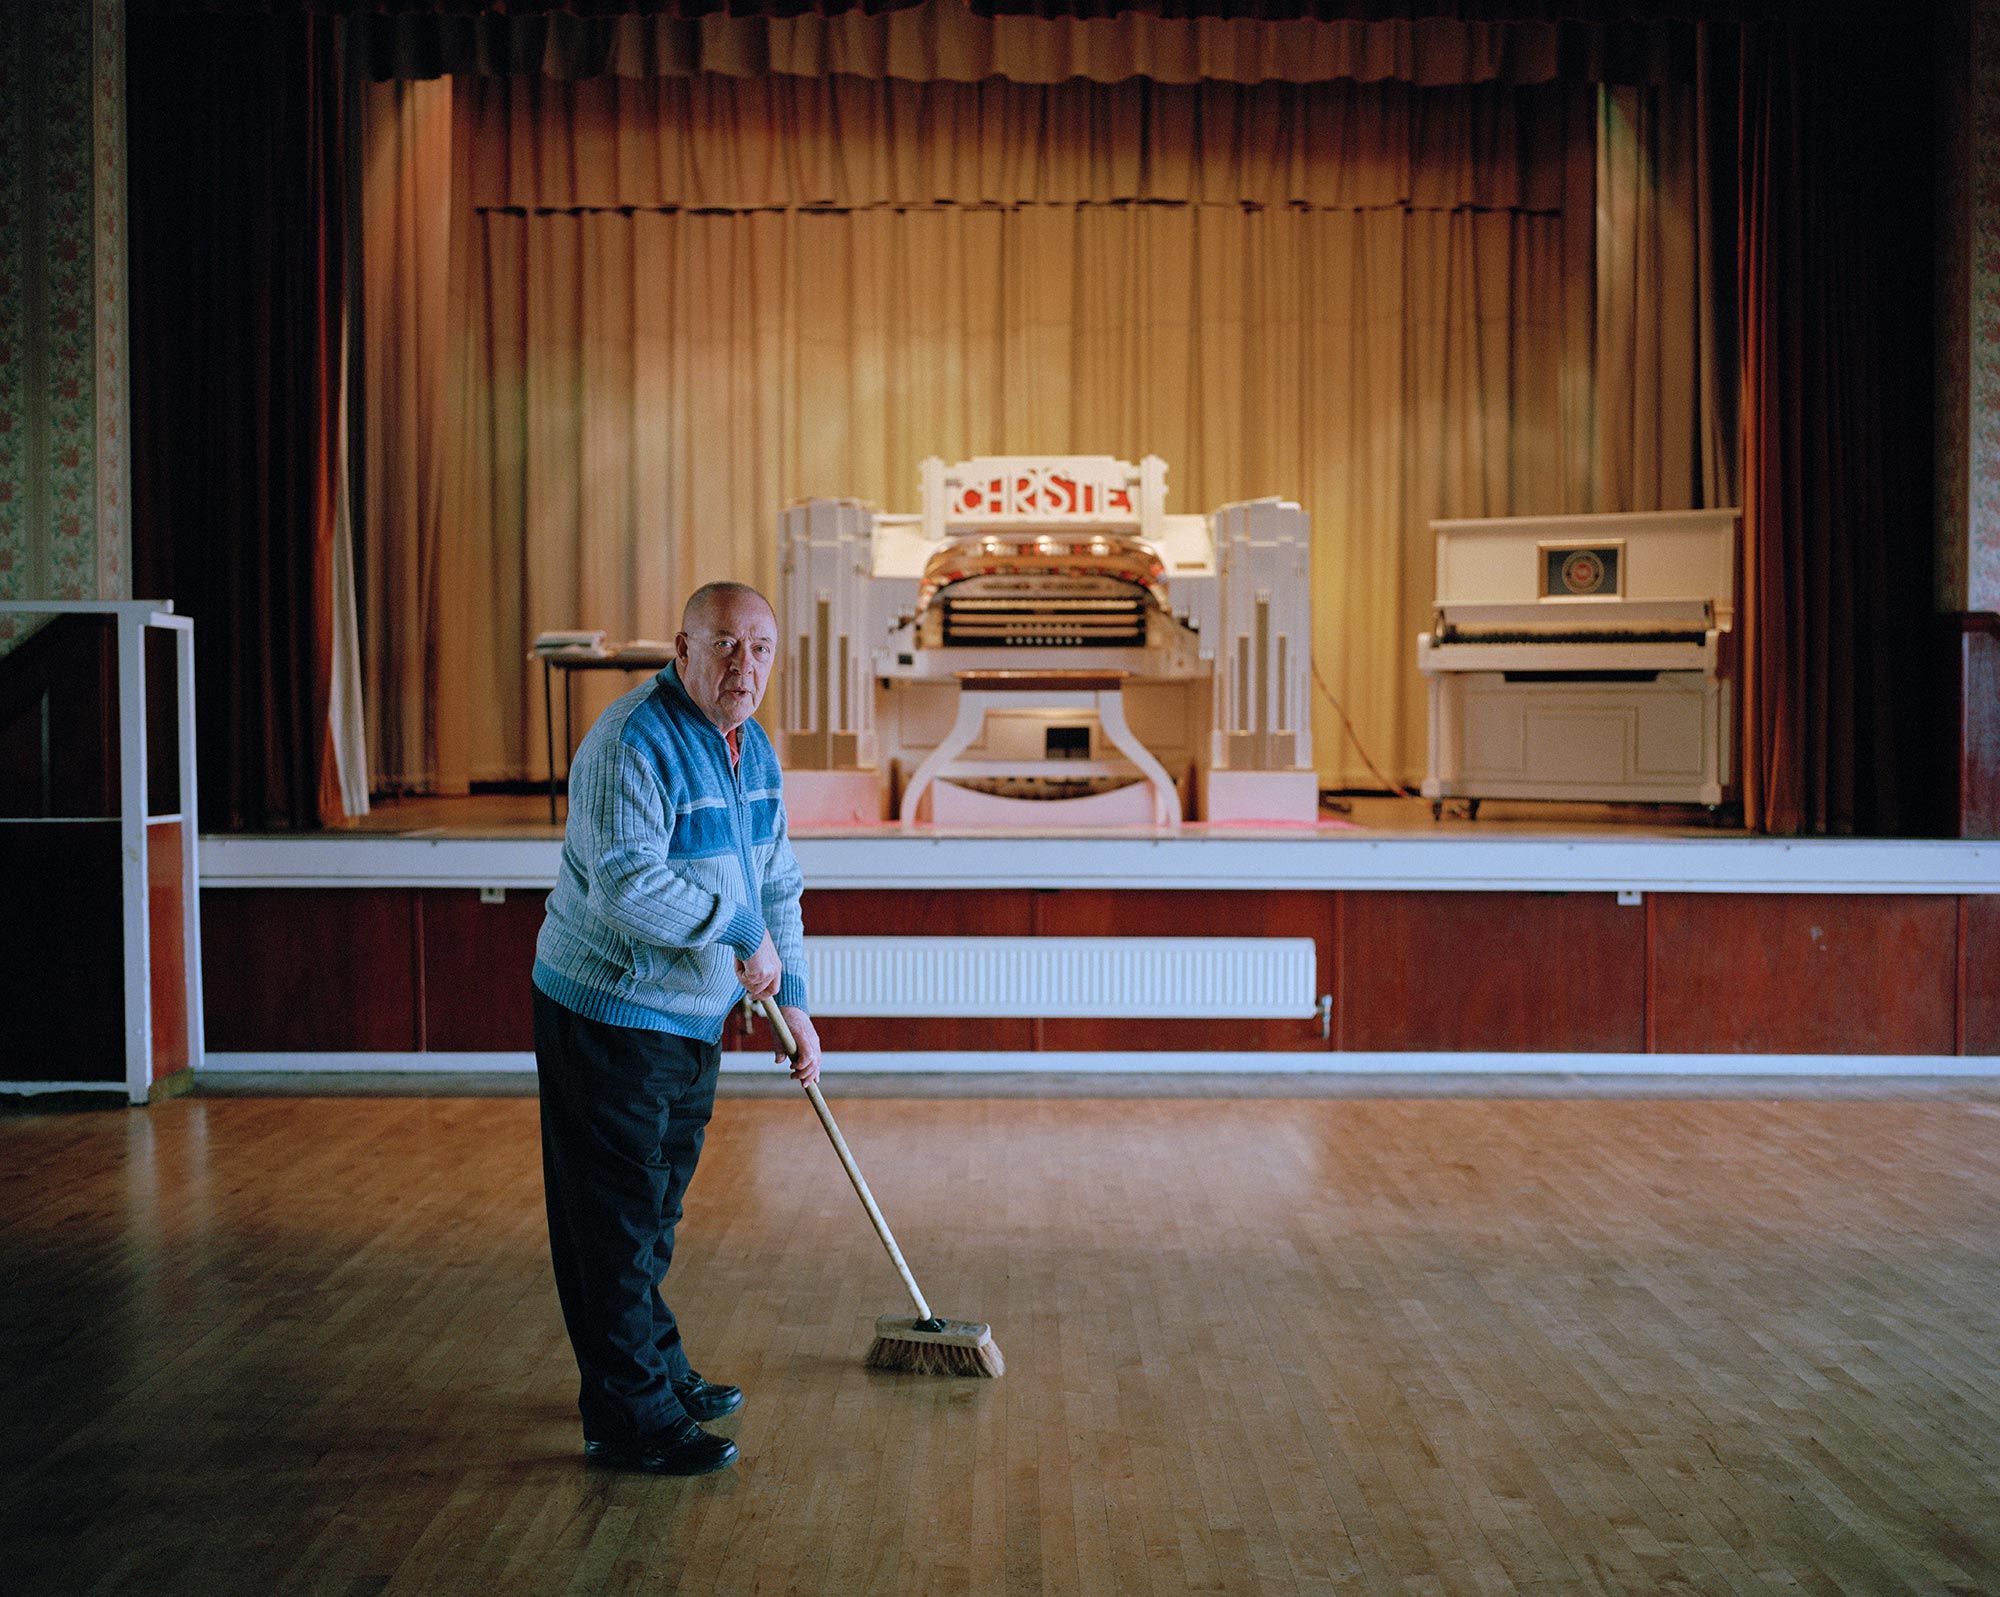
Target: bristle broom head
pixel 961 1348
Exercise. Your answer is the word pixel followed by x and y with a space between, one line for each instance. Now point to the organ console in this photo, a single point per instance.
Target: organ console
pixel 1044 644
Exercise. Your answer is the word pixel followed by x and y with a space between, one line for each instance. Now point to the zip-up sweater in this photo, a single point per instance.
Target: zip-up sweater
pixel 673 866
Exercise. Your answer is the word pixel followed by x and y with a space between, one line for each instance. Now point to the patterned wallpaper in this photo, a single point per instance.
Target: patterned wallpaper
pixel 113 409
pixel 64 466
pixel 13 323
pixel 1968 308
pixel 67 86
pixel 1981 534
pixel 1954 304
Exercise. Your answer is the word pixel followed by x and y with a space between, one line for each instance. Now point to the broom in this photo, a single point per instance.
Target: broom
pixel 926 1345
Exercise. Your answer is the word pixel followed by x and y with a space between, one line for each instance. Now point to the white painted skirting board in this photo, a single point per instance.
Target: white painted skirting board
pixel 1358 1064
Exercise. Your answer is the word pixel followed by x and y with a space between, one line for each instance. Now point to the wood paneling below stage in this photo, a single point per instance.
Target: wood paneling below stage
pixel 1804 974
pixel 476 960
pixel 167 945
pixel 1493 972
pixel 1979 975
pixel 397 970
pixel 312 970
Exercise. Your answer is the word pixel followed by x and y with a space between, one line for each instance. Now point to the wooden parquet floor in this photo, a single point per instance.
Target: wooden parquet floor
pixel 299 1345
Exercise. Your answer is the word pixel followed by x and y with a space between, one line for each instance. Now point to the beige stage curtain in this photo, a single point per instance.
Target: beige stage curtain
pixel 1665 433
pixel 644 389
pixel 413 590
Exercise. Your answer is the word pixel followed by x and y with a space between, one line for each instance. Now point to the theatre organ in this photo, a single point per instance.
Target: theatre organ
pixel 1042 643
pixel 1582 657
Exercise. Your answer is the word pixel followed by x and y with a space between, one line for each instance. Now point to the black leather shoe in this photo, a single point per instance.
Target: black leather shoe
pixel 686 1449
pixel 706 1400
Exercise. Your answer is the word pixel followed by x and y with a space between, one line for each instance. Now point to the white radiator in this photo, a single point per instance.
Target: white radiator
pixel 1053 977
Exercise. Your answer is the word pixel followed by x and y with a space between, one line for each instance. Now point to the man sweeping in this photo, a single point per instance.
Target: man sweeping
pixel 678 894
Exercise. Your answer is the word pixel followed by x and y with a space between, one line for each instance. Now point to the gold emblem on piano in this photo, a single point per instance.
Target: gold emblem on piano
pixel 1580 571
pixel 1583 572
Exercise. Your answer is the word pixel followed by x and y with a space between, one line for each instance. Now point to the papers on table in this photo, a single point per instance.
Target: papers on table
pixel 585 644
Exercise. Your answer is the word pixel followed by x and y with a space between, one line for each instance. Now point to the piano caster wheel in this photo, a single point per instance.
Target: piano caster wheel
pixel 1437 809
pixel 1472 809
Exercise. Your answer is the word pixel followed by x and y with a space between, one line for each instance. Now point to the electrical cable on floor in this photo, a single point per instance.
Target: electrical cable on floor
pixel 1353 737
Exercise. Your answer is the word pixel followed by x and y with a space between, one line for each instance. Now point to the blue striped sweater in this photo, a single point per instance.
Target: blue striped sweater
pixel 673 866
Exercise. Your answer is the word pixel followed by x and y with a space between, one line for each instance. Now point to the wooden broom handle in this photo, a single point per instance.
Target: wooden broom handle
pixel 790 1045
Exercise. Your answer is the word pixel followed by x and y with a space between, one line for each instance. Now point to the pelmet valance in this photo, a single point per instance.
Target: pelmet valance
pixel 944 40
pixel 728 143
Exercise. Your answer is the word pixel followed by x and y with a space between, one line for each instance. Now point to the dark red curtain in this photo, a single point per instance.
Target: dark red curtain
pixel 513 8
pixel 1841 713
pixel 237 271
pixel 1576 15
pixel 1584 11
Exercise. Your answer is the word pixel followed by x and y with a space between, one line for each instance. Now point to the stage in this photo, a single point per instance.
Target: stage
pixel 1569 939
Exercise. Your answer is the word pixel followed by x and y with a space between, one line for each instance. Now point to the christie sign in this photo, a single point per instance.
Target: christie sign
pixel 1030 491
pixel 1056 491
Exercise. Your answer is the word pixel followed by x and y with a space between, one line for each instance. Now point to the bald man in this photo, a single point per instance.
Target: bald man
pixel 678 895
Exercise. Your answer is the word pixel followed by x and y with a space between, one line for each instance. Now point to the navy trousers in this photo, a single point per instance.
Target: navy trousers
pixel 623 1116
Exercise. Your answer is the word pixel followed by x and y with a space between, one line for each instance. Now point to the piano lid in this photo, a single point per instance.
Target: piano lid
pixel 1645 569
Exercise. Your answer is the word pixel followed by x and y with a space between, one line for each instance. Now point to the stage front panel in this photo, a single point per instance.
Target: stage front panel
pixel 1981 965
pixel 407 970
pixel 478 957
pixel 1497 972
pixel 167 947
pixel 1808 973
pixel 311 970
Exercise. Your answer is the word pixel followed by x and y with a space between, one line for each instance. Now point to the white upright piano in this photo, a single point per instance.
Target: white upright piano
pixel 1582 658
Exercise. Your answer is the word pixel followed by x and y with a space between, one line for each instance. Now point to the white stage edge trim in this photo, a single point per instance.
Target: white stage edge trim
pixel 32 1088
pixel 1182 1063
pixel 1303 858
